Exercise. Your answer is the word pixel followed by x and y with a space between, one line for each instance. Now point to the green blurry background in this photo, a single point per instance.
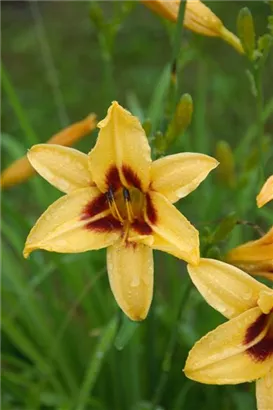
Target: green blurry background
pixel 65 345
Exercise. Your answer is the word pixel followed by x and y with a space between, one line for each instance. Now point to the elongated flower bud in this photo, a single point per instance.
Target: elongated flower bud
pixel 20 170
pixel 198 18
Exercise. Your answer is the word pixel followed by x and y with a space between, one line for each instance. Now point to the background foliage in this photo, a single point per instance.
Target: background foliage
pixel 64 343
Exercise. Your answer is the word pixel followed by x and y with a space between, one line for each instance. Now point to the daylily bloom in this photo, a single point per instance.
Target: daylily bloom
pixel 118 198
pixel 266 193
pixel 240 350
pixel 198 18
pixel 20 170
pixel 255 257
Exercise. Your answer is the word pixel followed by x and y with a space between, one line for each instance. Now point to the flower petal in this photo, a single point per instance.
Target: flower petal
pixel 266 193
pixel 122 153
pixel 175 176
pixel 65 168
pixel 264 269
pixel 258 250
pixel 76 222
pixel 264 391
pixel 226 355
pixel 130 270
pixel 225 287
pixel 173 233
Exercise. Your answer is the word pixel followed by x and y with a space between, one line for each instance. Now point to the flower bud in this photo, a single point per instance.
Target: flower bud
pixel 226 168
pixel 181 119
pixel 20 170
pixel 246 31
pixel 198 18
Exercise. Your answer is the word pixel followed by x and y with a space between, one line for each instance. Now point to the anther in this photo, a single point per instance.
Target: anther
pixel 112 205
pixel 126 194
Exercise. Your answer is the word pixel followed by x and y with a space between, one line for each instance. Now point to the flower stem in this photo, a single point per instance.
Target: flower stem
pixel 260 122
pixel 167 361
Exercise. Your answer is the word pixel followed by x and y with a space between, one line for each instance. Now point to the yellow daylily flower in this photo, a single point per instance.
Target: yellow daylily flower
pixel 266 193
pixel 198 18
pixel 20 170
pixel 240 350
pixel 255 257
pixel 116 197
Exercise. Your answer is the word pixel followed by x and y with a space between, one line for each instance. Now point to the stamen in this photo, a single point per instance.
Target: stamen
pixel 127 198
pixel 112 205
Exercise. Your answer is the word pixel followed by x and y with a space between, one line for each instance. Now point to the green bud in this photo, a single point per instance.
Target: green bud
pixel 147 126
pixel 181 119
pixel 159 143
pixel 96 15
pixel 265 42
pixel 213 253
pixel 226 169
pixel 270 23
pixel 246 31
pixel 224 228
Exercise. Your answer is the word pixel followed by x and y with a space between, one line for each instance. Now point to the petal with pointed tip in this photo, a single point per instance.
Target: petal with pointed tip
pixel 225 287
pixel 130 271
pixel 63 167
pixel 121 149
pixel 172 232
pixel 266 193
pixel 74 223
pixel 224 356
pixel 175 176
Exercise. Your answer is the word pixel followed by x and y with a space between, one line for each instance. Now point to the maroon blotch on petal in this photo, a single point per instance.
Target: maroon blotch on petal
pixel 142 227
pixel 262 350
pixel 113 179
pixel 106 224
pixel 131 177
pixel 256 328
pixel 150 209
pixel 97 205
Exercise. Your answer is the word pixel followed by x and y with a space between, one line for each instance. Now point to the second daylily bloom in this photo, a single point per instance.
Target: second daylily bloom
pixel 240 350
pixel 116 197
pixel 255 257
pixel 266 193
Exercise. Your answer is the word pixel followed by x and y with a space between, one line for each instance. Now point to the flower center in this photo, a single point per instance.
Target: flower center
pixel 126 205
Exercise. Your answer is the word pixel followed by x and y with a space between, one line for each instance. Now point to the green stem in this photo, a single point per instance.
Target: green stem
pixel 167 361
pixel 260 122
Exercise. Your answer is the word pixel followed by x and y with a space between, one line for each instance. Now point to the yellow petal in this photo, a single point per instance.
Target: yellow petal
pixel 20 170
pixel 173 233
pixel 198 18
pixel 264 391
pixel 259 250
pixel 266 193
pixel 225 355
pixel 265 301
pixel 225 287
pixel 65 168
pixel 130 270
pixel 175 176
pixel 76 222
pixel 122 153
pixel 264 268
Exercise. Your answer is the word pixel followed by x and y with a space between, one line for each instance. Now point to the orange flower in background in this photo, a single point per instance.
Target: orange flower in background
pixel 266 193
pixel 198 18
pixel 116 197
pixel 20 170
pixel 240 350
pixel 255 257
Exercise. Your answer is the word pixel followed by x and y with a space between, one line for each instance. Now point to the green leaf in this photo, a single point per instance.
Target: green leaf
pixel 125 332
